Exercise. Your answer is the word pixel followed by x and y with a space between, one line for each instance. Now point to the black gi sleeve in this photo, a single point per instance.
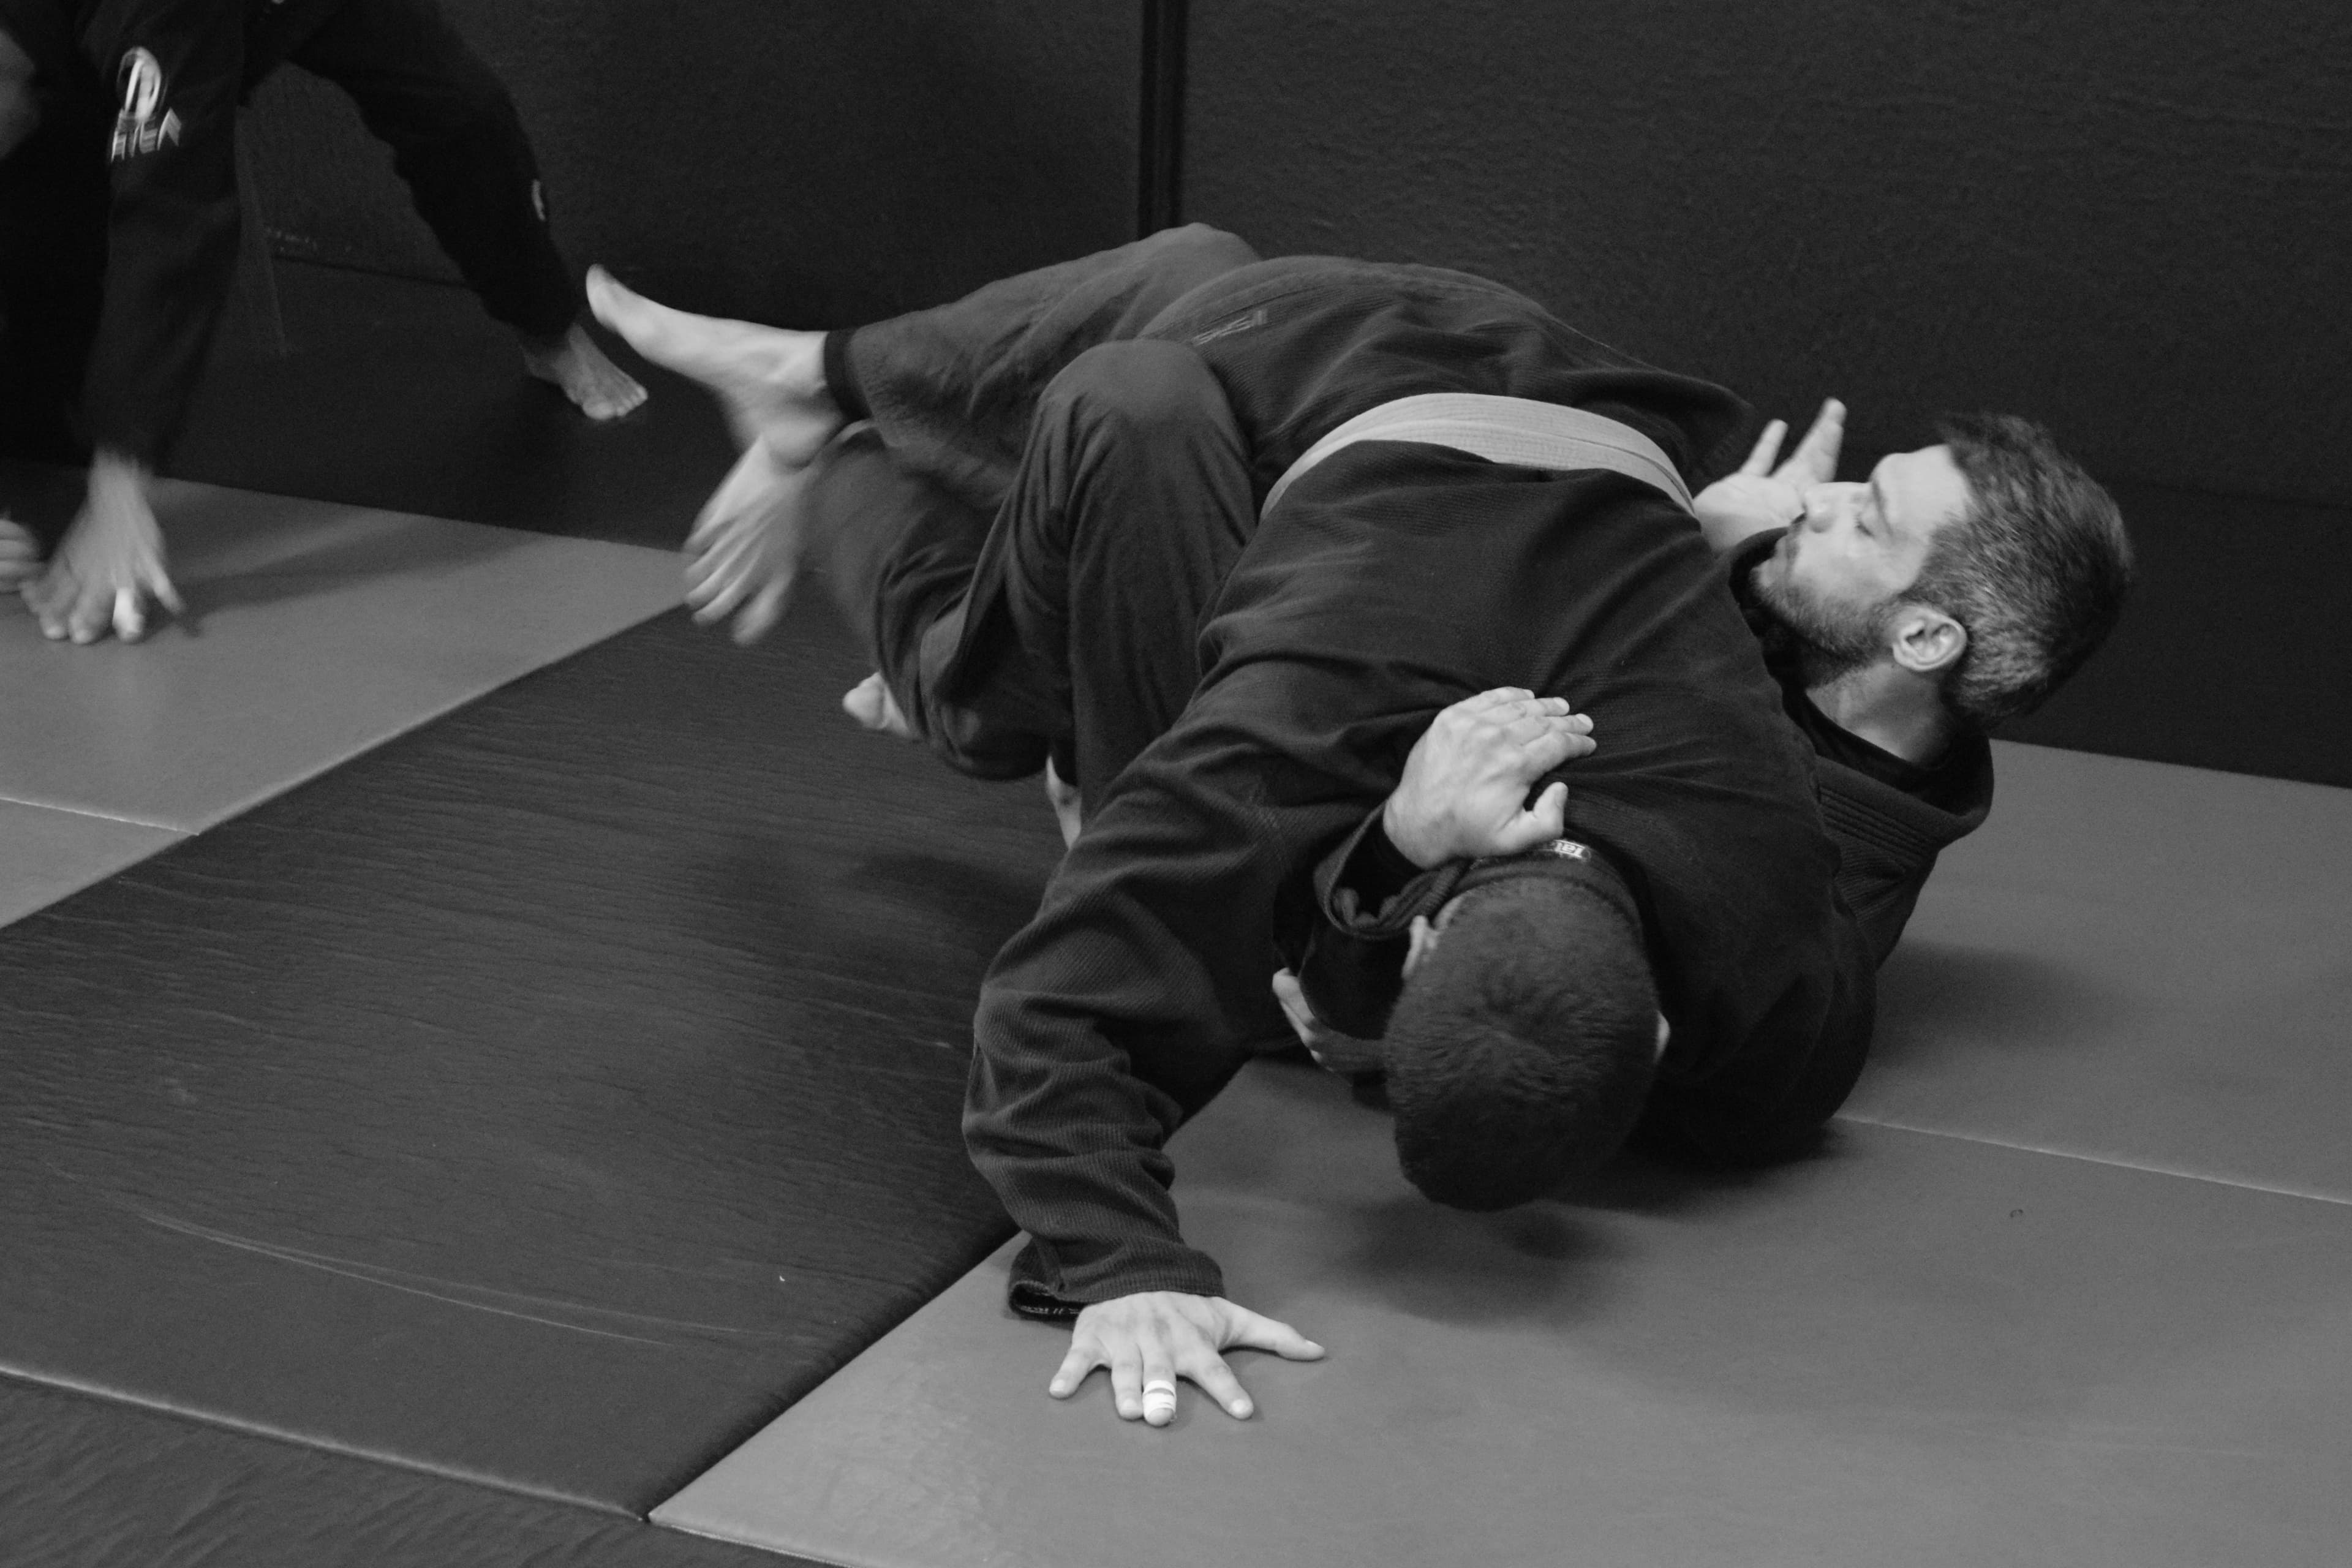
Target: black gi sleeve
pixel 1139 988
pixel 1367 895
pixel 1767 1099
pixel 174 67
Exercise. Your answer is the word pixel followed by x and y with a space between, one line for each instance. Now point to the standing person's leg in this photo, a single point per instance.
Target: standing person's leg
pixel 1070 621
pixel 457 142
pixel 951 392
pixel 53 211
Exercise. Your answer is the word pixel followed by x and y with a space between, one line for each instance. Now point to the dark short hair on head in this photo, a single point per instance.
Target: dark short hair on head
pixel 1520 1051
pixel 2036 571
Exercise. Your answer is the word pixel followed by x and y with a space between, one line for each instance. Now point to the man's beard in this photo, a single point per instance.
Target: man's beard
pixel 1826 640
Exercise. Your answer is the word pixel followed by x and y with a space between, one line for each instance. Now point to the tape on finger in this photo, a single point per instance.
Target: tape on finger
pixel 1159 1398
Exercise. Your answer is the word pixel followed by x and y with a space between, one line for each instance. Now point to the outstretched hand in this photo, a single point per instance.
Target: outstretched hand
pixel 744 550
pixel 1152 1338
pixel 1464 789
pixel 107 573
pixel 1761 496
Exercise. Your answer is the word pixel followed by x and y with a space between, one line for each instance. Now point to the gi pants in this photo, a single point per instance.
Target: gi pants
pixel 1030 524
pixel 456 139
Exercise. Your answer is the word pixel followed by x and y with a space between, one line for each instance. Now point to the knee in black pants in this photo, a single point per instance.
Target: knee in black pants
pixel 1138 394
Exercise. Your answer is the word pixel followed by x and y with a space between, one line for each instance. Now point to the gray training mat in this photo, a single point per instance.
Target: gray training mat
pixel 2071 1282
pixel 314 631
pixel 46 854
pixel 544 1099
pixel 2135 961
pixel 1914 1350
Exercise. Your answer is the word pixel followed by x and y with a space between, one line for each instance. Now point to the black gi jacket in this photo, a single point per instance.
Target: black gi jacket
pixel 1395 579
pixel 168 75
pixel 1888 818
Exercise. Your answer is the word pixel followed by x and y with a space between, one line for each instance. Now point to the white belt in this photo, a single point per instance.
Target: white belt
pixel 1516 430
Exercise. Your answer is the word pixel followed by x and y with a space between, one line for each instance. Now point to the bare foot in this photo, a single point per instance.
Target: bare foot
pixel 769 379
pixel 745 546
pixel 20 556
pixel 576 367
pixel 870 703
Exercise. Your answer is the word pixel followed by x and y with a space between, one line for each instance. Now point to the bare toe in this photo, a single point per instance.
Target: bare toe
pixel 575 366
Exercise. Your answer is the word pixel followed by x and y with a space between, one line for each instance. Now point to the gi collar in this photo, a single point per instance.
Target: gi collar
pixel 1353 980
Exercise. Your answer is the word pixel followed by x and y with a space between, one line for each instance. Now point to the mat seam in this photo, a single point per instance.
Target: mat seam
pixel 2121 1165
pixel 268 1432
pixel 96 815
pixel 777 1553
pixel 410 726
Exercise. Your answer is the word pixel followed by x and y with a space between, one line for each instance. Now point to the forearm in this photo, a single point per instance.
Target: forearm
pixel 1073 1144
pixel 172 226
pixel 173 219
pixel 117 475
pixel 1124 1007
pixel 172 261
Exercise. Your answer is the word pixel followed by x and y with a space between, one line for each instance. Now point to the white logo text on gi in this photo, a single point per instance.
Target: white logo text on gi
pixel 136 128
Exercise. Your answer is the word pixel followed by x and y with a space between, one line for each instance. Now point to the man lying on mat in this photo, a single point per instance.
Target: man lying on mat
pixel 1050 535
pixel 119 222
pixel 1861 605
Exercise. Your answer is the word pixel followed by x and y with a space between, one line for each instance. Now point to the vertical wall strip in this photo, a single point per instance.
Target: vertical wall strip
pixel 1160 129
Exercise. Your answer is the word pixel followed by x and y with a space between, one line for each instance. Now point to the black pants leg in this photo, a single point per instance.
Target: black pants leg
pixel 1071 619
pixel 53 214
pixel 457 140
pixel 955 388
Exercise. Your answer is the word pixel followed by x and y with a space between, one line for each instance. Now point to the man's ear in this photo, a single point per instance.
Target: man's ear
pixel 1925 640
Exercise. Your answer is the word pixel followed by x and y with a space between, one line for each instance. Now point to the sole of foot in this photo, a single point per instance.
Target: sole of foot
pixel 771 380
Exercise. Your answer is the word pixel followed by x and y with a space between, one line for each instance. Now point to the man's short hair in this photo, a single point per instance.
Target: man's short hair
pixel 1521 1050
pixel 2035 571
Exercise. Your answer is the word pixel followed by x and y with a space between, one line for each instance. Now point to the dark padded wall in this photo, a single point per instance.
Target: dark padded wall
pixel 2132 219
pixel 807 162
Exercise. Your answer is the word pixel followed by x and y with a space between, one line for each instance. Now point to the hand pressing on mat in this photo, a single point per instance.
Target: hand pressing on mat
pixel 1464 793
pixel 1152 1338
pixel 1743 504
pixel 107 573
